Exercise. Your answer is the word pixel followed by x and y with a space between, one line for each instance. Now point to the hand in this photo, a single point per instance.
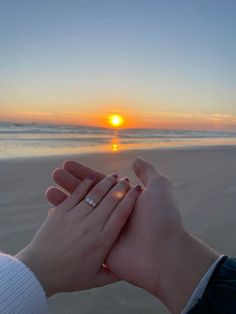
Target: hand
pixel 155 222
pixel 69 249
pixel 153 249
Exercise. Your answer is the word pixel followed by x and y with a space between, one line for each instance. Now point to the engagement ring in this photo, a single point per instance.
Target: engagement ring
pixel 90 201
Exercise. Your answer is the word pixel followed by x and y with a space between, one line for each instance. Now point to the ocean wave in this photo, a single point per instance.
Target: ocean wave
pixel 43 131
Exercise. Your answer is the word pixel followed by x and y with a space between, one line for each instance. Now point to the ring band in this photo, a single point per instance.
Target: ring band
pixel 91 202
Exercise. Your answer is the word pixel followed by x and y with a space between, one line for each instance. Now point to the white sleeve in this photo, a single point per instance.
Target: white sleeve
pixel 201 287
pixel 20 290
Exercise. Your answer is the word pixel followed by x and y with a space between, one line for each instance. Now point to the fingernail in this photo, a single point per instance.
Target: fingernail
pixel 91 177
pixel 138 188
pixel 115 175
pixel 126 179
pixel 105 268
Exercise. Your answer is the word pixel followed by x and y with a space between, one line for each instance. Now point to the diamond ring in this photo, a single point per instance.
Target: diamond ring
pixel 91 202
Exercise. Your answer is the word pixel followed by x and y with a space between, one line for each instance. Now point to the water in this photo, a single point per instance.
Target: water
pixel 21 140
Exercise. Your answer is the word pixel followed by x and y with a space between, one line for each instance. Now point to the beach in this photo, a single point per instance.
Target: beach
pixel 205 181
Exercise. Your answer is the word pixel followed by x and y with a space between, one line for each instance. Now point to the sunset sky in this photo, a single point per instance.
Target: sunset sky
pixel 164 64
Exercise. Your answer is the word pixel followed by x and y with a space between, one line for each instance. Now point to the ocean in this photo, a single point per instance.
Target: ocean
pixel 27 140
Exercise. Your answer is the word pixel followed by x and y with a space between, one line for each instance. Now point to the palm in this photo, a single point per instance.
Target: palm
pixel 154 220
pixel 128 255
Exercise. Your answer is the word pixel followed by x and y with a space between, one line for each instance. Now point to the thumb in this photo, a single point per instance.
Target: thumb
pixel 144 170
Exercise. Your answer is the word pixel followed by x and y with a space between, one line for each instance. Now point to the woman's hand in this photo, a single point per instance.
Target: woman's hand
pixel 68 251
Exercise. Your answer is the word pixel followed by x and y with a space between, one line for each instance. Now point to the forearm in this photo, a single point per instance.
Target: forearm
pixel 32 259
pixel 183 270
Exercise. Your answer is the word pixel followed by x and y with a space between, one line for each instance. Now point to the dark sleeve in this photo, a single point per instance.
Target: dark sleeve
pixel 220 294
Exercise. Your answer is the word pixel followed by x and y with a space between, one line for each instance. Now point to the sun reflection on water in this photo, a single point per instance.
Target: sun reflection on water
pixel 114 147
pixel 115 142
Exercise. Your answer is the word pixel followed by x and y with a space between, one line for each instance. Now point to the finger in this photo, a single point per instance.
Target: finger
pixel 120 215
pixel 55 195
pixel 78 195
pixel 65 179
pixel 97 193
pixel 110 201
pixel 104 278
pixel 82 171
pixel 145 171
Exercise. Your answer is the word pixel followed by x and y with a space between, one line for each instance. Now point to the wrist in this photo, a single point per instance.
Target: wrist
pixel 182 270
pixel 34 262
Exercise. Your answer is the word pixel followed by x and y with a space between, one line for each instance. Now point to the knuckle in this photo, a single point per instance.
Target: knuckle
pixel 98 191
pixel 110 179
pixel 86 182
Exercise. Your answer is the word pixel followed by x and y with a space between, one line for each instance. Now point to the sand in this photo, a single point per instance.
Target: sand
pixel 205 181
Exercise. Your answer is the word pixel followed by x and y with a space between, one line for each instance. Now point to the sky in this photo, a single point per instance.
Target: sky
pixel 158 63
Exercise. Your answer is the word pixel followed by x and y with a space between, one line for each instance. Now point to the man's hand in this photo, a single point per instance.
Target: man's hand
pixel 153 252
pixel 141 251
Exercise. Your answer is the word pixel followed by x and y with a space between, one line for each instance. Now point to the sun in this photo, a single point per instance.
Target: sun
pixel 116 120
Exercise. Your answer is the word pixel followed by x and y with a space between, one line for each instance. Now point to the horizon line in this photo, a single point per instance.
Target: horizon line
pixel 115 129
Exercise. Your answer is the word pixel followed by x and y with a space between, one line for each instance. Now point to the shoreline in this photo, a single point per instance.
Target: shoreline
pixel 123 151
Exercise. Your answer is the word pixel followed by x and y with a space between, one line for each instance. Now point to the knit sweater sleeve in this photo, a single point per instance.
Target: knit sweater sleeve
pixel 20 290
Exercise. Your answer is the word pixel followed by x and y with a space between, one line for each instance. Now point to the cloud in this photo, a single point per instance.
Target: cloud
pixel 34 113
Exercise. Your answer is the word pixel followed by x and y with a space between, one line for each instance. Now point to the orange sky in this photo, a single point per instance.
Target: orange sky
pixel 160 64
pixel 132 119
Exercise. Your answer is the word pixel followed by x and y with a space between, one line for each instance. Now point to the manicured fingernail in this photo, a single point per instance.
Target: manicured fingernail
pixel 126 179
pixel 105 268
pixel 91 177
pixel 138 188
pixel 115 175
